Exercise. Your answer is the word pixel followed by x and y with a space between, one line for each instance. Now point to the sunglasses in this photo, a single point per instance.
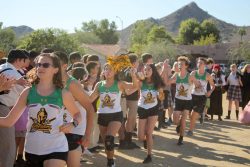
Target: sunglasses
pixel 44 65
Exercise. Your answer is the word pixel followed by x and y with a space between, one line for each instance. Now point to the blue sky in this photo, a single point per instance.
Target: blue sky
pixel 69 14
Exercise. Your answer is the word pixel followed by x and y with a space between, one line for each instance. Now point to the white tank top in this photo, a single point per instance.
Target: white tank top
pixel 110 98
pixel 200 89
pixel 183 88
pixel 148 96
pixel 81 128
pixel 45 117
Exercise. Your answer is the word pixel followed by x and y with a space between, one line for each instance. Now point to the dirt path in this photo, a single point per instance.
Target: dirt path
pixel 215 143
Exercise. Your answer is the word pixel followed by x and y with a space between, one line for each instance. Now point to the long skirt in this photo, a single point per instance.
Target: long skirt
pixel 216 102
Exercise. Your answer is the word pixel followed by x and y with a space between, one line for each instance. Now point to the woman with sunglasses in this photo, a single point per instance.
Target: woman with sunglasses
pixel 46 144
pixel 110 116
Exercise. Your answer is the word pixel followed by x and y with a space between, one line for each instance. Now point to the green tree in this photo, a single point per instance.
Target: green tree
pixel 189 31
pixel 138 37
pixel 87 38
pixel 103 29
pixel 49 38
pixel 208 28
pixel 159 34
pixel 242 31
pixel 161 51
pixel 242 52
pixel 206 40
pixel 7 39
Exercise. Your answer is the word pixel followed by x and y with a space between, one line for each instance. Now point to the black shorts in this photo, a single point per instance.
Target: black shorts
pixel 181 105
pixel 199 103
pixel 105 119
pixel 34 160
pixel 145 113
pixel 73 141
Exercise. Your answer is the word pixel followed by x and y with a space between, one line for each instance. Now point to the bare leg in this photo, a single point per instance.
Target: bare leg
pixel 194 117
pixel 54 162
pixel 74 158
pixel 151 121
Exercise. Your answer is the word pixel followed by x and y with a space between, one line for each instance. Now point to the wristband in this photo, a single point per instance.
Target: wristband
pixel 75 123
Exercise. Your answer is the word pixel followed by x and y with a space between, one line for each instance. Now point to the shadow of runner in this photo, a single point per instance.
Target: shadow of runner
pixel 189 150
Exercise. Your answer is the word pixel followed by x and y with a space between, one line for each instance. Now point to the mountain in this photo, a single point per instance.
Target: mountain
pixel 21 30
pixel 172 22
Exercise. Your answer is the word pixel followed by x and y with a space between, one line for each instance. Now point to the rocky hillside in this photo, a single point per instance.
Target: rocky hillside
pixel 21 30
pixel 192 10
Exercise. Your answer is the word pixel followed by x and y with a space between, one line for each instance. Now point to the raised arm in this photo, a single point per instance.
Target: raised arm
pixel 123 85
pixel 16 111
pixel 165 72
pixel 5 83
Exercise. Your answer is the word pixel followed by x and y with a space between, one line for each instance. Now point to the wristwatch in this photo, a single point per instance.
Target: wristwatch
pixel 75 123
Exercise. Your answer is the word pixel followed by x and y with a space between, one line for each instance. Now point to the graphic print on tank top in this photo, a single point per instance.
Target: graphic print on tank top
pixel 183 88
pixel 149 98
pixel 109 98
pixel 108 102
pixel 200 88
pixel 41 123
pixel 182 91
pixel 44 111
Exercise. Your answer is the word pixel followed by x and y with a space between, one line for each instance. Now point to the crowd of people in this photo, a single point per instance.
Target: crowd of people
pixel 54 107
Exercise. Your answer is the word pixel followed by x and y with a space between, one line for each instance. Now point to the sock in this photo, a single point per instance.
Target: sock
pixel 163 115
pixel 121 142
pixel 237 114
pixel 130 137
pixel 110 161
pixel 20 156
pixel 126 139
pixel 228 113
pixel 180 139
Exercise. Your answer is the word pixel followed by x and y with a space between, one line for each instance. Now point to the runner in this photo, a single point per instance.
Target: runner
pixel 110 115
pixel 150 89
pixel 46 144
pixel 183 97
pixel 199 92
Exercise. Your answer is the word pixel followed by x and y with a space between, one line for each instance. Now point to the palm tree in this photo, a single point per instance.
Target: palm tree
pixel 242 32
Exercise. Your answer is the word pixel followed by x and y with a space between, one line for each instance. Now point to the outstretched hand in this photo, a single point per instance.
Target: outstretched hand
pixel 6 83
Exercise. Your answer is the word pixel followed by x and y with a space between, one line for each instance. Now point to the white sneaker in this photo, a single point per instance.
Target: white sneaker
pixel 87 152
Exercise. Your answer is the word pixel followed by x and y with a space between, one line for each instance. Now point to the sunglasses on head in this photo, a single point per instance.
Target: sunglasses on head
pixel 44 65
